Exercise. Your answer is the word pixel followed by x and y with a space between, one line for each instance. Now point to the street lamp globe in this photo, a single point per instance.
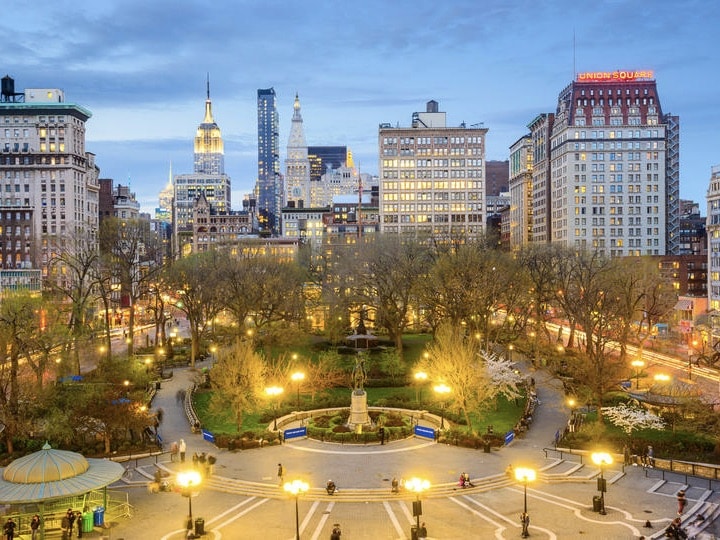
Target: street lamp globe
pixel 525 475
pixel 601 459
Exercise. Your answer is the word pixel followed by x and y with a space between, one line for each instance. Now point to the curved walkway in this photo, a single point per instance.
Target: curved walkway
pixel 363 473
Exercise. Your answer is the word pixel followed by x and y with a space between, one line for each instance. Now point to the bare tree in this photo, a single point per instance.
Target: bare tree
pixel 193 281
pixel 391 269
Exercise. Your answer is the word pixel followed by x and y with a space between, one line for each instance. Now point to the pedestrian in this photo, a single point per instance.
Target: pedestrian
pixel 173 451
pixel 34 526
pixel 281 474
pixel 626 455
pixel 466 480
pixel 336 532
pixel 395 486
pixel 182 447
pixel 9 529
pixel 650 457
pixel 682 501
pixel 79 520
pixel 422 531
pixel 675 531
pixel 71 521
pixel 195 460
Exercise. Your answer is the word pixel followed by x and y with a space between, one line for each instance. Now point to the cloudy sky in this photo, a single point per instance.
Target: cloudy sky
pixel 140 66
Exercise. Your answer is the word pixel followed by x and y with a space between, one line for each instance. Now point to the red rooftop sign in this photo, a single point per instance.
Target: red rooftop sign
pixel 614 76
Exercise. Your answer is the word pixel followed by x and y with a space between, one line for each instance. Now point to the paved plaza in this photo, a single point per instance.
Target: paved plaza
pixel 242 499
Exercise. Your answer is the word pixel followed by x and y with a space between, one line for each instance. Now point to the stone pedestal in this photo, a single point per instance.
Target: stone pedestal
pixel 358 409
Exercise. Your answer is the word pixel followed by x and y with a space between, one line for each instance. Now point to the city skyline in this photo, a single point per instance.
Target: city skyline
pixel 141 70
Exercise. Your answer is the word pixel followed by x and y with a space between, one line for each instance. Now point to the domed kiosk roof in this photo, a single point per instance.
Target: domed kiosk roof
pixel 50 474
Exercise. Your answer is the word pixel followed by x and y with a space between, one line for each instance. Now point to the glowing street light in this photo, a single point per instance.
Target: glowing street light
pixel 273 392
pixel 442 390
pixel 420 377
pixel 187 480
pixel 298 377
pixel 296 488
pixel 601 459
pixel 638 365
pixel 525 475
pixel 418 485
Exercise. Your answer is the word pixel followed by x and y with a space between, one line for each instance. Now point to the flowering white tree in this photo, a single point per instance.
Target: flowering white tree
pixel 504 380
pixel 631 418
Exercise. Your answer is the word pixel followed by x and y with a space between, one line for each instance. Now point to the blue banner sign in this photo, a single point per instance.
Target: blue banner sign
pixel 422 431
pixel 207 436
pixel 294 433
pixel 509 437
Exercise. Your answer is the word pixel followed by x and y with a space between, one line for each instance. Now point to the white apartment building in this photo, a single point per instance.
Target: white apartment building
pixel 432 177
pixel 713 237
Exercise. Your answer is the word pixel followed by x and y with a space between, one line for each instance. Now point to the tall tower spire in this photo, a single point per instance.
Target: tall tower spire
pixel 297 177
pixel 209 147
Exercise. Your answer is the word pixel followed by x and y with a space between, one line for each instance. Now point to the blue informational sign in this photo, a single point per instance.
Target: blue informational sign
pixel 422 431
pixel 207 436
pixel 509 437
pixel 294 433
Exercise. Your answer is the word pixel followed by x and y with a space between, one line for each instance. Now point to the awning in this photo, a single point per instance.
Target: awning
pixel 684 304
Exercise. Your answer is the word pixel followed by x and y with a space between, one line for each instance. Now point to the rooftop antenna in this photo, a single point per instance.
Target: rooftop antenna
pixel 574 68
pixel 208 85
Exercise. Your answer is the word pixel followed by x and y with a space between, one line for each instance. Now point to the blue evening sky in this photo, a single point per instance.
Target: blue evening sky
pixel 140 67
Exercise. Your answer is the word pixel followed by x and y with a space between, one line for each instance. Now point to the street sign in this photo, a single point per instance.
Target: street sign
pixel 422 431
pixel 509 437
pixel 294 433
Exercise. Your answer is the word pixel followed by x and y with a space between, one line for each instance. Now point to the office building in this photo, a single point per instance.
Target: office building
pixel 519 215
pixel 50 192
pixel 269 181
pixel 432 177
pixel 324 158
pixel 713 240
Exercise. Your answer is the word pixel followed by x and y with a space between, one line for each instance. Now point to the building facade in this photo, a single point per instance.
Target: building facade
pixel 48 180
pixel 713 239
pixel 269 196
pixel 519 215
pixel 323 158
pixel 614 171
pixel 213 229
pixel 432 177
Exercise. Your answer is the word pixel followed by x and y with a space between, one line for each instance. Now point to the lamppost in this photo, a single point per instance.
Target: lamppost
pixel 510 348
pixel 690 355
pixel 601 459
pixel 420 378
pixel 525 475
pixel 638 365
pixel 273 392
pixel 298 377
pixel 442 390
pixel 187 480
pixel 296 488
pixel 418 485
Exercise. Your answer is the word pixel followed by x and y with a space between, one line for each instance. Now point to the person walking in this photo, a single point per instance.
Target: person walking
pixel 422 531
pixel 281 474
pixel 9 529
pixel 182 448
pixel 35 526
pixel 626 455
pixel 79 519
pixel 682 501
pixel 71 521
pixel 650 456
pixel 336 532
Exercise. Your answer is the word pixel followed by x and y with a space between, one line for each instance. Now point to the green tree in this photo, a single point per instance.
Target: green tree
pixel 238 377
pixel 454 360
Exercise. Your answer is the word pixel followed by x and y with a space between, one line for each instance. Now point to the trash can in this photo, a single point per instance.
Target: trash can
pixel 99 516
pixel 87 522
pixel 413 532
pixel 596 503
pixel 199 526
